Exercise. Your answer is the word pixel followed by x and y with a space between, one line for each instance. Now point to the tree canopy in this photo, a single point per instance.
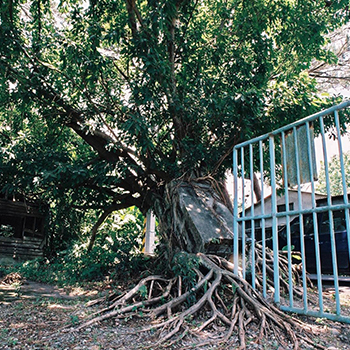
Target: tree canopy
pixel 334 175
pixel 110 104
pixel 158 90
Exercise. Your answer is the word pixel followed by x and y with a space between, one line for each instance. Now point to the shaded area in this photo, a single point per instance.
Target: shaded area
pixel 34 290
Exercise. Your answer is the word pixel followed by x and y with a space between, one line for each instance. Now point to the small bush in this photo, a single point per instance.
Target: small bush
pixel 7 230
pixel 76 265
pixel 116 253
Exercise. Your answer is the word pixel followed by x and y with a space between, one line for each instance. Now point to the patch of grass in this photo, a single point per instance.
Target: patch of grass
pixel 12 341
pixel 74 319
pixel 4 333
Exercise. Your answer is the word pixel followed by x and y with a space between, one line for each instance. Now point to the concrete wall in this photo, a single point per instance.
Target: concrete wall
pixel 281 200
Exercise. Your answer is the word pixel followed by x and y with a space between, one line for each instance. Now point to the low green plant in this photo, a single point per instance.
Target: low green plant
pixel 184 265
pixel 4 333
pixel 116 253
pixel 74 319
pixel 143 291
pixel 7 230
pixel 12 341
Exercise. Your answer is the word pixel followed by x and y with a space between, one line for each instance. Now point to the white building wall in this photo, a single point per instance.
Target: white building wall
pixel 293 201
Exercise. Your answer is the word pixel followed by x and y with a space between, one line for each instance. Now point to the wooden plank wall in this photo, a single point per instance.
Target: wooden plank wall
pixel 21 249
pixel 12 208
pixel 27 244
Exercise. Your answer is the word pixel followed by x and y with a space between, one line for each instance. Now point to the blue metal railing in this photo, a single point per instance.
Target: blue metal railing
pixel 286 159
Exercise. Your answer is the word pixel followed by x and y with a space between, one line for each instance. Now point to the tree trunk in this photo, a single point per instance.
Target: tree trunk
pixel 193 217
pixel 257 189
pixel 95 228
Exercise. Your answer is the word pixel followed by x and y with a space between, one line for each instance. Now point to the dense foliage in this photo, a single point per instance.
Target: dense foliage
pixel 156 89
pixel 116 253
pixel 334 175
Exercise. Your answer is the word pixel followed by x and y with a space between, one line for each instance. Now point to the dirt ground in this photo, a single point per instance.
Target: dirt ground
pixel 39 316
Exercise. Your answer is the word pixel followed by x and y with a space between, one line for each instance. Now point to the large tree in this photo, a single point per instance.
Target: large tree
pixel 161 91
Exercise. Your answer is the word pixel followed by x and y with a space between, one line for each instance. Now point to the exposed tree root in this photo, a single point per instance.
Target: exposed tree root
pixel 225 305
pixel 294 274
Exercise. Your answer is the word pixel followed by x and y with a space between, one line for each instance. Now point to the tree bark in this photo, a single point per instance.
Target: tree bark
pixel 193 218
pixel 95 228
pixel 257 189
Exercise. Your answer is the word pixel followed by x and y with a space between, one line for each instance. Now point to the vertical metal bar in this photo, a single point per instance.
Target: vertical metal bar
pixel 301 221
pixel 330 215
pixel 150 233
pixel 343 173
pixel 243 216
pixel 274 220
pixel 341 156
pixel 252 226
pixel 289 244
pixel 315 223
pixel 263 220
pixel 235 213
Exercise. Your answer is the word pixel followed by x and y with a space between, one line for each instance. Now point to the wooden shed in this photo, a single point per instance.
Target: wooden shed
pixel 22 228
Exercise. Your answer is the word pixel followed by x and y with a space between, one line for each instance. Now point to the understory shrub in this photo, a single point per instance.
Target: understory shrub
pixel 116 253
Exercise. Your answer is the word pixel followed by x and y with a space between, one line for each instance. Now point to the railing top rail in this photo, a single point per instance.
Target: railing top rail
pixel 323 113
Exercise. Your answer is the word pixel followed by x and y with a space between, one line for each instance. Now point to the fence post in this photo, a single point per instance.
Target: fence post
pixel 150 233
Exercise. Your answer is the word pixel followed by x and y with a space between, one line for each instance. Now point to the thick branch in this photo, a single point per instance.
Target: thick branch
pixel 133 13
pixel 101 219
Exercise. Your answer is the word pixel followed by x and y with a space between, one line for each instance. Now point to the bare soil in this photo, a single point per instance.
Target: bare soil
pixel 40 316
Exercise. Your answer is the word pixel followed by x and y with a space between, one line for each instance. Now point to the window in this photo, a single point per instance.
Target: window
pixel 282 207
